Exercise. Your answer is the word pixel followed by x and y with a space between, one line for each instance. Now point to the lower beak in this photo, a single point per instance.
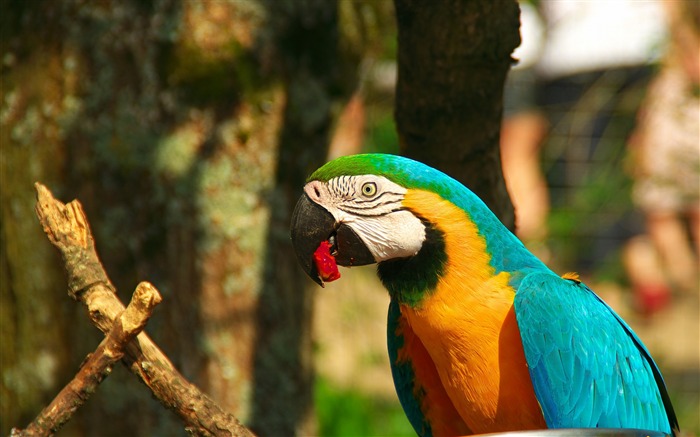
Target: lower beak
pixel 311 225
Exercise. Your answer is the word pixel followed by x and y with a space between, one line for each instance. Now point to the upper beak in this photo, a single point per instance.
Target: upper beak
pixel 313 224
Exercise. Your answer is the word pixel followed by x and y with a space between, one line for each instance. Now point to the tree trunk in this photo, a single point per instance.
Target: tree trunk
pixel 306 38
pixel 186 129
pixel 453 57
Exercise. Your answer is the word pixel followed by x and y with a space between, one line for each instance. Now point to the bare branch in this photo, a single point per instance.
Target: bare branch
pixel 67 228
pixel 98 365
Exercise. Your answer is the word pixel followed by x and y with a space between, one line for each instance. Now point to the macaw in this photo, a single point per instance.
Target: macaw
pixel 482 336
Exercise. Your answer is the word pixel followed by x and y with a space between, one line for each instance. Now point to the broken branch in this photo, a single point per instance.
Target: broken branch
pixel 67 228
pixel 98 365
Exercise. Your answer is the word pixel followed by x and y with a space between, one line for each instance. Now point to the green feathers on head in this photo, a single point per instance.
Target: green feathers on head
pixel 403 171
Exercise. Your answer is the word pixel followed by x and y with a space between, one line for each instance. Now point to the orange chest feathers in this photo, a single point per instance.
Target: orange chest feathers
pixel 468 327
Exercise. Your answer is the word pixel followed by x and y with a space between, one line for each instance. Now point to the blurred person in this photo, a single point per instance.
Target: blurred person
pixel 568 48
pixel 523 130
pixel 596 60
pixel 666 152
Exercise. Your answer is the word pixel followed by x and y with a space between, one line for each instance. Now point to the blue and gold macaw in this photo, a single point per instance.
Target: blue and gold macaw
pixel 482 336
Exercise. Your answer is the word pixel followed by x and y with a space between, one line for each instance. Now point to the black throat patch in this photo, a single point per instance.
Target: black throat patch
pixel 409 280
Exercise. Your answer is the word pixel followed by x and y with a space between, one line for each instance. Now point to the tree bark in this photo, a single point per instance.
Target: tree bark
pixel 306 39
pixel 453 57
pixel 187 129
pixel 69 231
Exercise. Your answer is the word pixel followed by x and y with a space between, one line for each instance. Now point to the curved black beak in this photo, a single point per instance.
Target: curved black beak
pixel 311 225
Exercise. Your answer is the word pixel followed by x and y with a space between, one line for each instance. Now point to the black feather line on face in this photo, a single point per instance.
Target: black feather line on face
pixel 409 280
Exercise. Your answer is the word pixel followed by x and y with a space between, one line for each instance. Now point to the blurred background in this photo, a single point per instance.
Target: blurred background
pixel 186 130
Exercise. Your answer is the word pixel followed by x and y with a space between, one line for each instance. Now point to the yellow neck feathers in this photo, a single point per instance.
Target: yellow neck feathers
pixel 469 329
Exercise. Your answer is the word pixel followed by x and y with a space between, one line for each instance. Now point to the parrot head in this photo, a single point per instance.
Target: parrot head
pixel 357 207
pixel 353 206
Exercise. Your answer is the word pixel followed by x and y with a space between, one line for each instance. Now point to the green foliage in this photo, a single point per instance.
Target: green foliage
pixel 687 404
pixel 344 412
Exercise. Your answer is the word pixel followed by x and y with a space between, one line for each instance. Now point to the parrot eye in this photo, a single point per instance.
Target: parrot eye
pixel 369 189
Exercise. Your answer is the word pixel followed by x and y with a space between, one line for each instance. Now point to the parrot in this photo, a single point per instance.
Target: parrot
pixel 482 336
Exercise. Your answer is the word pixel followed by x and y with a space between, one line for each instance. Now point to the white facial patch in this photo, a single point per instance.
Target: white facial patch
pixel 399 234
pixel 372 207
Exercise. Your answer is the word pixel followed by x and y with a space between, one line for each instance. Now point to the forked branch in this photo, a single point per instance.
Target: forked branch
pixel 98 365
pixel 67 228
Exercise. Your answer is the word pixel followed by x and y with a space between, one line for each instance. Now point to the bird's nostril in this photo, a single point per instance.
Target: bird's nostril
pixel 316 192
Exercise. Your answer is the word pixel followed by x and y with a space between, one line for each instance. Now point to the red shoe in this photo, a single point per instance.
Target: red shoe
pixel 650 299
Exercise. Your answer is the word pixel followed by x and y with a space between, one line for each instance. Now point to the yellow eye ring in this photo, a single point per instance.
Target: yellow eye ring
pixel 369 189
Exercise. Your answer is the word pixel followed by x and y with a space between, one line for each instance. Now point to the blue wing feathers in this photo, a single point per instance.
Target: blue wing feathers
pixel 583 411
pixel 567 361
pixel 601 394
pixel 558 368
pixel 577 384
pixel 587 366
